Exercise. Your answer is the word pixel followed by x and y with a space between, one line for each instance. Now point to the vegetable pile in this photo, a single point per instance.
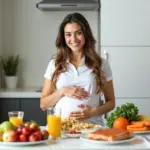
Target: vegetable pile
pixel 128 111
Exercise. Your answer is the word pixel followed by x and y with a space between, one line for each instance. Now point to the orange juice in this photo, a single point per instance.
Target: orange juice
pixel 16 120
pixel 54 125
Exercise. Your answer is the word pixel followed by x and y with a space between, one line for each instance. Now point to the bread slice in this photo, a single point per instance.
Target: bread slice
pixel 108 134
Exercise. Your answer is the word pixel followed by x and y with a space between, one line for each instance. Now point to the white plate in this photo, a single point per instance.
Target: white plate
pixel 141 132
pixel 90 130
pixel 73 135
pixel 76 135
pixel 85 138
pixel 23 143
pixel 87 130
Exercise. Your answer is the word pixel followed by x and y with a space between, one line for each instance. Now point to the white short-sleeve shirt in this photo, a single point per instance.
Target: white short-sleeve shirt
pixel 83 77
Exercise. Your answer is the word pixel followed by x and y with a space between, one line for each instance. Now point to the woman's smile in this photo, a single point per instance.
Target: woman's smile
pixel 75 44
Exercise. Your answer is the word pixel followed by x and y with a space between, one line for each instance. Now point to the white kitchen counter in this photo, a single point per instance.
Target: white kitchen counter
pixel 71 144
pixel 27 92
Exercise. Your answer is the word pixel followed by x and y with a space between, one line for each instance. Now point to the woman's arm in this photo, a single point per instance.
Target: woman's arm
pixel 109 101
pixel 48 97
pixel 100 110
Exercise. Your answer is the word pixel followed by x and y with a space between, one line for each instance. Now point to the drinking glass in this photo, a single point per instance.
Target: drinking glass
pixel 54 122
pixel 16 117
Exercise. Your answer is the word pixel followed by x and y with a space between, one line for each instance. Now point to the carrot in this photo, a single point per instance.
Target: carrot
pixel 147 123
pixel 136 126
pixel 137 129
pixel 144 123
pixel 136 122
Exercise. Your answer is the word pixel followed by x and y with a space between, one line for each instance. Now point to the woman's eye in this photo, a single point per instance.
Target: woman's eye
pixel 79 33
pixel 67 35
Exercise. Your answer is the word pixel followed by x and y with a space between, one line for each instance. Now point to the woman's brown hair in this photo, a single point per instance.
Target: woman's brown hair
pixel 92 59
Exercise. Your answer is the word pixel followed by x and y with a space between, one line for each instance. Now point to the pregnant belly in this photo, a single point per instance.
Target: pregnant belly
pixel 67 105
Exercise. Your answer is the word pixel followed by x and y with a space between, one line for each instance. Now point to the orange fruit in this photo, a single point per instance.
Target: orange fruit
pixel 120 123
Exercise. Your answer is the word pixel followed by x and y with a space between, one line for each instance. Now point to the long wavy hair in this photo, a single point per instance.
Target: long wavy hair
pixel 92 59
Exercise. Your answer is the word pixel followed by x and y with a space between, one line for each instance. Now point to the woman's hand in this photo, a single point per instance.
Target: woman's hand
pixel 84 114
pixel 75 92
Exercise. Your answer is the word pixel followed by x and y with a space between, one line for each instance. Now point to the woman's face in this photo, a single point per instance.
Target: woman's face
pixel 74 37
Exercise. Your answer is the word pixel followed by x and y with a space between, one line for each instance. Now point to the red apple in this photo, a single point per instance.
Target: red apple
pixel 39 135
pixel 22 138
pixel 34 126
pixel 45 134
pixel 26 130
pixel 27 124
pixel 10 136
pixel 38 129
pixel 19 129
pixel 32 138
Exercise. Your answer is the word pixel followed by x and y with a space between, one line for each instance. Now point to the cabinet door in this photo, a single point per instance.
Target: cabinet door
pixel 125 22
pixel 32 111
pixel 131 73
pixel 6 105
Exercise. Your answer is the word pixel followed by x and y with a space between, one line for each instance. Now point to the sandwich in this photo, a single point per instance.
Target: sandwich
pixel 108 134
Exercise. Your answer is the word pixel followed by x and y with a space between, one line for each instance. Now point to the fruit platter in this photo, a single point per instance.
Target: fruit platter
pixel 28 133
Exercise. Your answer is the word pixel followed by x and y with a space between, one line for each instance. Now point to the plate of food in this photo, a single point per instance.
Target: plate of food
pixel 69 124
pixel 84 137
pixel 73 134
pixel 108 136
pixel 139 127
pixel 23 143
pixel 28 133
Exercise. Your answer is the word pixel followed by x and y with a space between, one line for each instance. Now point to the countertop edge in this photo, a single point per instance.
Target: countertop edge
pixel 26 92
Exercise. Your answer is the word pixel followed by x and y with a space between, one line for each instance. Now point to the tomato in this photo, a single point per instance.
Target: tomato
pixel 78 132
pixel 120 123
pixel 74 132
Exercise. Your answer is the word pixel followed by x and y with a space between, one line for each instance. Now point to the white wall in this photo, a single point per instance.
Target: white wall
pixel 31 33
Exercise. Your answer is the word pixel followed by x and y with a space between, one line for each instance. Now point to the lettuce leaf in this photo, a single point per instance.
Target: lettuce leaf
pixel 128 111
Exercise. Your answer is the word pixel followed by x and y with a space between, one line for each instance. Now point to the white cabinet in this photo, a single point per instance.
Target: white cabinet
pixel 131 70
pixel 125 35
pixel 125 22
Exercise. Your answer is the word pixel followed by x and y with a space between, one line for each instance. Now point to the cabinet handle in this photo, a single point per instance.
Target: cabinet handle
pixel 106 55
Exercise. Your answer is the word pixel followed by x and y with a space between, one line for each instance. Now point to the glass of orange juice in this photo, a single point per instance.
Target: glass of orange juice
pixel 16 117
pixel 54 122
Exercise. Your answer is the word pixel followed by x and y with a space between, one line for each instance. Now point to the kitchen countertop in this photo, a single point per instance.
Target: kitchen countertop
pixel 26 92
pixel 74 143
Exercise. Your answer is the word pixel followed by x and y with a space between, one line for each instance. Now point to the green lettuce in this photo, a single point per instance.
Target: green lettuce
pixel 128 111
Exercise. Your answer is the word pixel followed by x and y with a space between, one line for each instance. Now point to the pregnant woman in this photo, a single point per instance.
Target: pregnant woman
pixel 77 76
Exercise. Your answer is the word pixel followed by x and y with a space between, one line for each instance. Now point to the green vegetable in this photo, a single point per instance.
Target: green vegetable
pixel 128 111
